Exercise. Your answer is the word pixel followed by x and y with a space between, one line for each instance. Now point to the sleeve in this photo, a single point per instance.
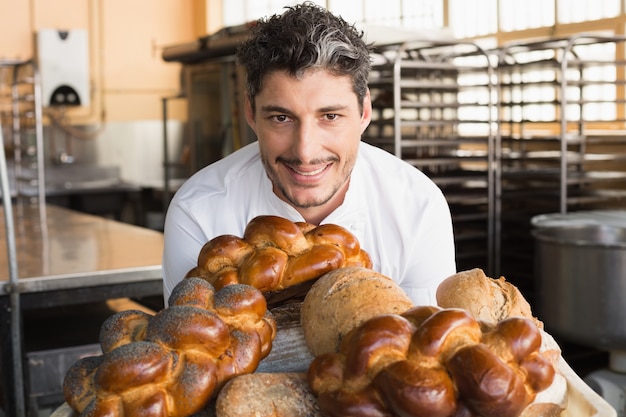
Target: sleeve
pixel 433 253
pixel 183 240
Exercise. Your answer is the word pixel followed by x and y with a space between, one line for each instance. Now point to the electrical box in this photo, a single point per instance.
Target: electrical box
pixel 63 60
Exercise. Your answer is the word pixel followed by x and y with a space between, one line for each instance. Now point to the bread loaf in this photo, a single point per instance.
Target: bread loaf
pixel 344 298
pixel 433 362
pixel 487 299
pixel 173 363
pixel 275 253
pixel 491 300
pixel 267 395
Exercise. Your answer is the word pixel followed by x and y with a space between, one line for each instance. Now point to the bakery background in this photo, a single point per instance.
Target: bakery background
pixel 107 106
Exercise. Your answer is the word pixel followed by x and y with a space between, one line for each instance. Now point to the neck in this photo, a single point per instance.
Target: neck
pixel 314 215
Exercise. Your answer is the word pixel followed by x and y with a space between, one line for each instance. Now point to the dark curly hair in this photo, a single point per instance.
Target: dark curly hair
pixel 305 36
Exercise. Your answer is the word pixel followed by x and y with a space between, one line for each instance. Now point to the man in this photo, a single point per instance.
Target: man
pixel 308 104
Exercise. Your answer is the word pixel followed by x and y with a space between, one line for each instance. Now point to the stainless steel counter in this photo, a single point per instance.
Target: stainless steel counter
pixel 66 258
pixel 69 249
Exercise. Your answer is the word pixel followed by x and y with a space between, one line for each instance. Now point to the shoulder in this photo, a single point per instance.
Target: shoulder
pixel 217 178
pixel 225 187
pixel 391 173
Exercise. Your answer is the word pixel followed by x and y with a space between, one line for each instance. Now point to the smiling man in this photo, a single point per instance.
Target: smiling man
pixel 308 102
pixel 309 145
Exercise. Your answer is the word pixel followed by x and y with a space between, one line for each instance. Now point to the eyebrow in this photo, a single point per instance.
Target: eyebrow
pixel 272 108
pixel 279 109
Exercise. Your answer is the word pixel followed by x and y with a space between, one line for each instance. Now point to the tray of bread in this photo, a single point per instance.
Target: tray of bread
pixel 291 320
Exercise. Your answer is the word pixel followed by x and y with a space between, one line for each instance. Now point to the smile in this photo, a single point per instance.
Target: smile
pixel 309 173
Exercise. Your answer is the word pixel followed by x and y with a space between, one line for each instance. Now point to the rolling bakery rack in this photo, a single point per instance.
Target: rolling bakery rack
pixel 508 133
pixel 432 107
pixel 561 141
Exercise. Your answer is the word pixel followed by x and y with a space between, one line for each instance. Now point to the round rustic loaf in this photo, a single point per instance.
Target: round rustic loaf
pixel 267 395
pixel 343 299
pixel 487 299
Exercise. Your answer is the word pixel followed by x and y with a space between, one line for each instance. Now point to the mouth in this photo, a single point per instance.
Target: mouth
pixel 308 173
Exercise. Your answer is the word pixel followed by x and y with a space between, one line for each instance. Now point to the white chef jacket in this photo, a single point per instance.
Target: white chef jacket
pixel 399 216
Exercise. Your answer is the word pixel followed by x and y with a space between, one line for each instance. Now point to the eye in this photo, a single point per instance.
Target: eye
pixel 280 118
pixel 331 116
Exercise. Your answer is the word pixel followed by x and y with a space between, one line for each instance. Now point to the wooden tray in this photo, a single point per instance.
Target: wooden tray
pixel 290 354
pixel 582 401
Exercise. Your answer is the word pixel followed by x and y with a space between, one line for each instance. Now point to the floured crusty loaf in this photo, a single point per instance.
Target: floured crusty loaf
pixel 267 395
pixel 433 362
pixel 275 253
pixel 344 298
pixel 491 300
pixel 487 299
pixel 173 363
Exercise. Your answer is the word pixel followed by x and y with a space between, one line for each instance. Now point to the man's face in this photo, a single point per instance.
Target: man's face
pixel 309 131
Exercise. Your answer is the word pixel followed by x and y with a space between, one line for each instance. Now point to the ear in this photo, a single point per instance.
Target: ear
pixel 249 114
pixel 366 117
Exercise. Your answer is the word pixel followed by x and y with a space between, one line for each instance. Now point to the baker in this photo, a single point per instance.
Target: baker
pixel 308 102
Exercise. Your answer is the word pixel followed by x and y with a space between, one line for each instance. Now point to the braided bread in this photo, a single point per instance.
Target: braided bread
pixel 173 363
pixel 433 362
pixel 275 253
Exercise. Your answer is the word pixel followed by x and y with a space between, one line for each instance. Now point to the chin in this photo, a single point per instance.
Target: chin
pixel 307 201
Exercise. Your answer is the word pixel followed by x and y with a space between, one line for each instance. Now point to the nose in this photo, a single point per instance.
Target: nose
pixel 306 141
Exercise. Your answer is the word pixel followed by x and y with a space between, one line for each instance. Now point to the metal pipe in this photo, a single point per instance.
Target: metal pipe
pixel 166 159
pixel 16 323
pixel 38 113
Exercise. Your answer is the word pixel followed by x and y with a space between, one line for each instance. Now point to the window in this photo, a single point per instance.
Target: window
pixel 236 12
pixel 573 11
pixel 466 19
pixel 471 18
pixel 408 14
pixel 520 15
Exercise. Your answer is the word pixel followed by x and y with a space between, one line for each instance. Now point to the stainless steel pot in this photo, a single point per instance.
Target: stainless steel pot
pixel 580 272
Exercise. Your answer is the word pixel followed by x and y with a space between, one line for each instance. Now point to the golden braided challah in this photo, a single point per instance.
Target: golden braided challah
pixel 432 362
pixel 275 253
pixel 174 362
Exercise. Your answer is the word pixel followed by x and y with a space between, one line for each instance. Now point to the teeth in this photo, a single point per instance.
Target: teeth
pixel 310 173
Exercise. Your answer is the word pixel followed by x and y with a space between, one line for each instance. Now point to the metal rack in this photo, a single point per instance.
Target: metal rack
pixel 11 112
pixel 21 121
pixel 561 139
pixel 216 125
pixel 17 370
pixel 432 107
pixel 21 114
pixel 213 87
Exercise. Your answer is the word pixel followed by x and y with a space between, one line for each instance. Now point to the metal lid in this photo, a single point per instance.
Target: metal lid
pixel 584 228
pixel 615 218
